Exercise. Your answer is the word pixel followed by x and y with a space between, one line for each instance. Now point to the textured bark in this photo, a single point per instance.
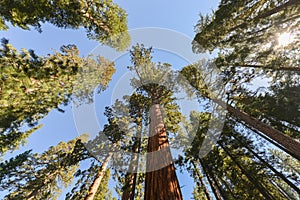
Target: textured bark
pixel 291 145
pixel 161 182
pixel 97 181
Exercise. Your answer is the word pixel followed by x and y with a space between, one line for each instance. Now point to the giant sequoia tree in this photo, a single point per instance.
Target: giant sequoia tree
pixel 256 156
pixel 254 34
pixel 154 80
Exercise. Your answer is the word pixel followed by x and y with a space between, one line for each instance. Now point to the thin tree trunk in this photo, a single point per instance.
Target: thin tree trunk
pixel 161 182
pixel 224 182
pixel 215 188
pixel 130 179
pixel 281 190
pixel 268 165
pixel 290 144
pixel 253 180
pixel 198 176
pixel 267 13
pixel 97 181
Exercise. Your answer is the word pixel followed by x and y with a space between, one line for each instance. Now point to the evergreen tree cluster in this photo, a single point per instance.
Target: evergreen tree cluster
pixel 255 157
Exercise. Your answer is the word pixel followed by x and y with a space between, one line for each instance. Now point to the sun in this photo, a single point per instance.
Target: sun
pixel 285 39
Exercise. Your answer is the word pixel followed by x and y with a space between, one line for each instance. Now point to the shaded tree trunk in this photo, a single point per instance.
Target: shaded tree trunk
pixel 256 182
pixel 277 173
pixel 281 190
pixel 268 13
pixel 291 145
pixel 130 179
pixel 161 182
pixel 215 188
pixel 97 181
pixel 198 176
pixel 222 181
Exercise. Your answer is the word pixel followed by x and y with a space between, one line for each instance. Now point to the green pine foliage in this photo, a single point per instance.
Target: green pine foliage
pixel 31 86
pixel 42 176
pixel 103 20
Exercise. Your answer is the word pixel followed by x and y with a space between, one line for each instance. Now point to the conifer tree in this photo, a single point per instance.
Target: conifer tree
pixel 154 79
pixel 31 86
pixel 251 34
pixel 103 20
pixel 41 176
pixel 195 78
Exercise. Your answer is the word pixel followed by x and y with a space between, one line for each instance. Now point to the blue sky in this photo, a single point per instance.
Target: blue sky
pixel 180 16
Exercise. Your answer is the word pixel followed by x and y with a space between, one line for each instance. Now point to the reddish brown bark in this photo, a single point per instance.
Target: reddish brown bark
pixel 161 180
pixel 128 191
pixel 290 144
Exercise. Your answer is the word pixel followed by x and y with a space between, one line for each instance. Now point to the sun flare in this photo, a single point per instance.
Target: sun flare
pixel 285 39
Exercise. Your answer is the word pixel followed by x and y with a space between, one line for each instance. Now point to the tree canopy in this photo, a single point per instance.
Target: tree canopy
pixel 249 131
pixel 31 86
pixel 103 20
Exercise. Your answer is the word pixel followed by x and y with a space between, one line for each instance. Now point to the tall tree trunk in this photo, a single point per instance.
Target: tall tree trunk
pixel 97 181
pixel 277 173
pixel 253 180
pixel 198 176
pixel 161 182
pixel 282 190
pixel 213 184
pixel 267 13
pixel 131 176
pixel 291 145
